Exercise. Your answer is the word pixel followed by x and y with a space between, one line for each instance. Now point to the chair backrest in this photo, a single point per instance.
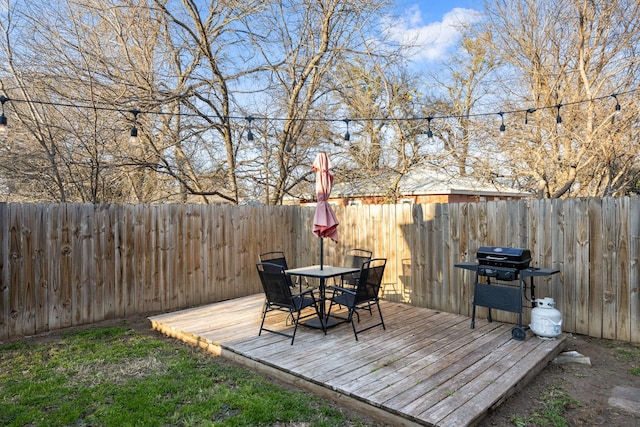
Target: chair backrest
pixel 370 280
pixel 356 257
pixel 274 257
pixel 274 283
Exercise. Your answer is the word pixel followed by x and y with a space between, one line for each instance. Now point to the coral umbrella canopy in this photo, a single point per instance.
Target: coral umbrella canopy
pixel 325 223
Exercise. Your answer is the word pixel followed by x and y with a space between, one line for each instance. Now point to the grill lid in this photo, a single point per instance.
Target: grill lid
pixel 501 256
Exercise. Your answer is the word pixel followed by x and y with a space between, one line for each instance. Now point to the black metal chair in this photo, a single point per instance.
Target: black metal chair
pixel 354 258
pixel 363 296
pixel 278 294
pixel 278 258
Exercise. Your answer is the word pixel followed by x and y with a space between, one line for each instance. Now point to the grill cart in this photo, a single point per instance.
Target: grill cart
pixel 500 282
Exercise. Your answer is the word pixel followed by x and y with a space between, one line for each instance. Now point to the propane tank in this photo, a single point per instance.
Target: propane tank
pixel 546 321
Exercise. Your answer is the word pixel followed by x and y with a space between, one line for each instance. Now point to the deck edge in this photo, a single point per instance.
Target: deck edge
pixel 525 380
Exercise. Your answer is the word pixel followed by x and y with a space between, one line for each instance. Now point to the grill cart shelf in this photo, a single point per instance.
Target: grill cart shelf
pixel 501 282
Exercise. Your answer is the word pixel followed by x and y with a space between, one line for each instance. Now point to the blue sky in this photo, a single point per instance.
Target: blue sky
pixel 432 25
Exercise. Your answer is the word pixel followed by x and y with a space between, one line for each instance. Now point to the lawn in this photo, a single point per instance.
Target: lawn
pixel 117 376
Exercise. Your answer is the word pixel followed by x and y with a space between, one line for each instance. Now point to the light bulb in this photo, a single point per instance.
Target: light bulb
pixel 133 139
pixel 3 125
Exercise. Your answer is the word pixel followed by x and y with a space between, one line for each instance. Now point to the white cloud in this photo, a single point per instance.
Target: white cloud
pixel 429 41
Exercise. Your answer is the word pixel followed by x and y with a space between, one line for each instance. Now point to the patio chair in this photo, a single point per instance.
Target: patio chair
pixel 279 298
pixel 363 296
pixel 278 258
pixel 354 258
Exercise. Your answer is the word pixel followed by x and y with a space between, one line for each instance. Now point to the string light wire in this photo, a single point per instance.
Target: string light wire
pixel 429 119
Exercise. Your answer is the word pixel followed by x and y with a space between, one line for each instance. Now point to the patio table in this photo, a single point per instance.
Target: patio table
pixel 323 273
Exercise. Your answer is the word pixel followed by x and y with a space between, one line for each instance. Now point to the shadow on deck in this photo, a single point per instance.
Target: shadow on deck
pixel 427 368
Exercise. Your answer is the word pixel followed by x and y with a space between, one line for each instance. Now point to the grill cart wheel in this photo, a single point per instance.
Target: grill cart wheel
pixel 518 333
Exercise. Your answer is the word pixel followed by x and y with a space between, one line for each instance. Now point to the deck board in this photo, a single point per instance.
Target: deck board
pixel 427 368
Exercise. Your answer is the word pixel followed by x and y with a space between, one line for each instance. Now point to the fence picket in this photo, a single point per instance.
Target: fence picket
pixel 5 282
pixel 609 277
pixel 581 220
pixel 622 269
pixel 634 268
pixel 597 264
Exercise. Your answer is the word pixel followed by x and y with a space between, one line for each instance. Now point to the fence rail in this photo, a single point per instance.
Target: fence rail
pixel 63 265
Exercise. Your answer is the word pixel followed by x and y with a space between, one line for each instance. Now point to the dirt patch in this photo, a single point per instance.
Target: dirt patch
pixel 613 364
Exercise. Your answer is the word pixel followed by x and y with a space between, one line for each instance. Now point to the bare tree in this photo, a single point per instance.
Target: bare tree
pixel 571 61
pixel 84 70
pixel 388 138
pixel 185 75
pixel 32 151
pixel 465 80
pixel 67 134
pixel 209 47
pixel 303 46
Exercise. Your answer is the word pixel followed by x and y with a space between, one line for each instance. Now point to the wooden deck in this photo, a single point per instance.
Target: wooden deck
pixel 427 368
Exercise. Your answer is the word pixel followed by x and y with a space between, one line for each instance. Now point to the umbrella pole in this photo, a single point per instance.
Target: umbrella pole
pixel 321 252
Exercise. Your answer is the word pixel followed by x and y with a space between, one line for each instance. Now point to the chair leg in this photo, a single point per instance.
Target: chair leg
pixel 369 308
pixel 289 319
pixel 329 313
pixel 330 306
pixel 264 315
pixel 295 325
pixel 380 313
pixel 353 323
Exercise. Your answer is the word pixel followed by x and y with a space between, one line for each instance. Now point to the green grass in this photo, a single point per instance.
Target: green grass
pixel 555 402
pixel 114 376
pixel 629 353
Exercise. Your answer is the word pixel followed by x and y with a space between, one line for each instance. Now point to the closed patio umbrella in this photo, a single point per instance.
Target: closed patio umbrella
pixel 325 223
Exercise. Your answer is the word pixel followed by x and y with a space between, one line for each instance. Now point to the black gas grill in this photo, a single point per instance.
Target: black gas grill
pixel 501 262
pixel 497 266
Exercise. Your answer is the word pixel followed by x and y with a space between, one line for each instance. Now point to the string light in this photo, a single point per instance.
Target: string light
pixel 347 135
pixel 617 108
pixel 429 132
pixel 526 115
pixel 3 118
pixel 133 138
pixel 249 119
pixel 502 126
pixel 615 96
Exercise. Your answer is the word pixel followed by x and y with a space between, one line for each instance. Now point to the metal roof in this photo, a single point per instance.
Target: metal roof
pixel 423 182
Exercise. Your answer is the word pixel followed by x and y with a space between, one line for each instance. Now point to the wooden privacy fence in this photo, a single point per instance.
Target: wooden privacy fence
pixel 70 264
